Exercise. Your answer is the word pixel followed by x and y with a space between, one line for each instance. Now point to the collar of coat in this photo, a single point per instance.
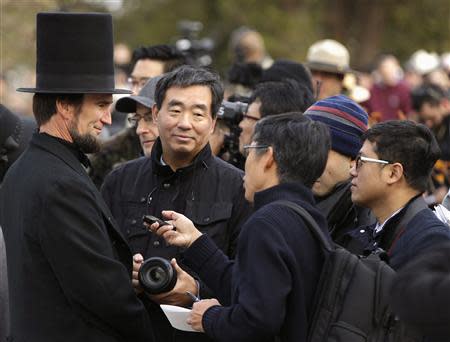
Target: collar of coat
pixel 201 160
pixel 72 147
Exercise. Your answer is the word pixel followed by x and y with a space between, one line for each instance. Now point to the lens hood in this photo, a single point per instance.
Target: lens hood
pixel 157 275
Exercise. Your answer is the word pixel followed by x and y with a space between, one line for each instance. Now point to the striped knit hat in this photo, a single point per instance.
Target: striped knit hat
pixel 346 119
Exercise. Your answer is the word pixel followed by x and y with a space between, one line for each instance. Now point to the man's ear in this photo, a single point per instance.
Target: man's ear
pixel 269 160
pixel 395 173
pixel 155 113
pixel 213 125
pixel 64 109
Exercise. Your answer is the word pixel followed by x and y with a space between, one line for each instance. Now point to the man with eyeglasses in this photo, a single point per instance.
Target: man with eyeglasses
pixel 181 174
pixel 389 177
pixel 152 61
pixel 267 294
pixel 271 98
pixel 140 109
pixel 347 121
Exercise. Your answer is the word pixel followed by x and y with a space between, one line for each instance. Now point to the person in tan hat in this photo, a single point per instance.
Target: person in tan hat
pixel 328 61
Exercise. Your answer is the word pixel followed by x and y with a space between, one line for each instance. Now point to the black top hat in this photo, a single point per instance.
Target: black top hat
pixel 74 54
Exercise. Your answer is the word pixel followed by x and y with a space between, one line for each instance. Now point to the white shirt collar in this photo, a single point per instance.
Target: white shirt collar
pixel 379 226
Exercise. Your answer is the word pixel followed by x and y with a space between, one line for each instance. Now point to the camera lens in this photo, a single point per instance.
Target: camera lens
pixel 157 275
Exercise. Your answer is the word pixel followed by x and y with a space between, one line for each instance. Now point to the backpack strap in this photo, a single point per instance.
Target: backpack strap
pixel 310 223
pixel 416 205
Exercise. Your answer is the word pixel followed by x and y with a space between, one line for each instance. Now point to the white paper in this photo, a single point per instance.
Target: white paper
pixel 177 317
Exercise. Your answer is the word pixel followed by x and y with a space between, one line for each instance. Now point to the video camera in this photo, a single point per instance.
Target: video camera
pixel 232 113
pixel 195 50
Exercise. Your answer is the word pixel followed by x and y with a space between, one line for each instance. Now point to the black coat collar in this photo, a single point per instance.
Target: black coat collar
pixel 72 147
pixel 53 146
pixel 202 159
pixel 284 191
pixel 62 152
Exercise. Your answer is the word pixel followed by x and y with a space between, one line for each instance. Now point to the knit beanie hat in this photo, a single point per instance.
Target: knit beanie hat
pixel 346 119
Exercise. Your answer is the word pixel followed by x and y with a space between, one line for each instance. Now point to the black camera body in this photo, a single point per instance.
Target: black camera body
pixel 232 114
pixel 196 51
pixel 157 275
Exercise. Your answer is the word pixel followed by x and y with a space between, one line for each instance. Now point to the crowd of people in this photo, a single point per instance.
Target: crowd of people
pixel 367 157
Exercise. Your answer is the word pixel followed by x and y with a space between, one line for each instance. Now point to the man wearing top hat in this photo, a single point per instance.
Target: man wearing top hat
pixel 69 267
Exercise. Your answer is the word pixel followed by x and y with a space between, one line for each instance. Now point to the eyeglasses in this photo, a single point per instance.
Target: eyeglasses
pixel 138 82
pixel 250 117
pixel 360 160
pixel 248 147
pixel 134 119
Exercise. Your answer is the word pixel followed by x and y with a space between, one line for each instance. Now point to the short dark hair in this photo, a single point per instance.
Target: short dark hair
pixel 300 146
pixel 282 97
pixel 283 69
pixel 427 93
pixel 44 105
pixel 168 54
pixel 246 74
pixel 411 144
pixel 186 76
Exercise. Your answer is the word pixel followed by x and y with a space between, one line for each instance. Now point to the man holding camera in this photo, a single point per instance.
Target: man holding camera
pixel 69 267
pixel 180 174
pixel 267 293
pixel 140 108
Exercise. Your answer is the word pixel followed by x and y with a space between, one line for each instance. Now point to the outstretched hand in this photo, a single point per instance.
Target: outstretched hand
pixel 180 232
pixel 177 296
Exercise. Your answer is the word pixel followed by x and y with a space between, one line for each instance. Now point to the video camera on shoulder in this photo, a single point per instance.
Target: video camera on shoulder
pixel 232 113
pixel 197 51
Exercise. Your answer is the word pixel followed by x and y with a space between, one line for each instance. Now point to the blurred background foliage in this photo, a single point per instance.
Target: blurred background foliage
pixel 366 27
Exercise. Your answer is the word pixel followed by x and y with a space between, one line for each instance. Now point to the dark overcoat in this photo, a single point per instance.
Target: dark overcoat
pixel 69 267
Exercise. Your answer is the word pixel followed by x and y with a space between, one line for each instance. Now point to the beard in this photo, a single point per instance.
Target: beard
pixel 85 142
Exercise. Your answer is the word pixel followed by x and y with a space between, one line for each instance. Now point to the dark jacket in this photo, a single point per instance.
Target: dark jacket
pixel 268 291
pixel 342 215
pixel 421 293
pixel 4 300
pixel 69 268
pixel 209 191
pixel 402 242
pixel 118 149
pixel 442 134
